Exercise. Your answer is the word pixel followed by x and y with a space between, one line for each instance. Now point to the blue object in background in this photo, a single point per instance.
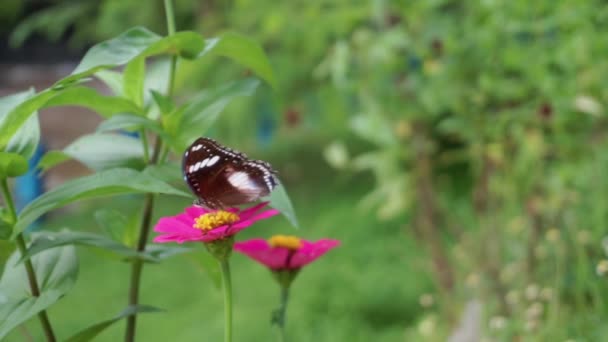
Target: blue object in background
pixel 31 185
pixel 265 123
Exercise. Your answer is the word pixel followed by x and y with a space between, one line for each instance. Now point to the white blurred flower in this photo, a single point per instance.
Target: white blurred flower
pixel 498 322
pixel 588 105
pixel 473 280
pixel 426 327
pixel 532 292
pixel 512 297
pixel 534 311
pixel 602 268
pixel 426 300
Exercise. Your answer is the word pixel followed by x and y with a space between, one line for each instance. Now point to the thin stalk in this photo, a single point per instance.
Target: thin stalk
pixel 144 142
pixel 29 267
pixel 170 31
pixel 227 285
pixel 137 265
pixel 282 313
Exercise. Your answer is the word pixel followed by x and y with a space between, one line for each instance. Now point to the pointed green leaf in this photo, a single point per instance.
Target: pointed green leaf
pixel 163 102
pixel 104 183
pixel 105 106
pixel 26 139
pixel 50 240
pixel 103 151
pixel 208 265
pixel 133 80
pixel 12 165
pixel 52 158
pixel 134 43
pixel 280 200
pixel 56 271
pixel 244 51
pixel 205 109
pixel 130 122
pixel 112 222
pixel 12 121
pixel 91 332
pixel 112 79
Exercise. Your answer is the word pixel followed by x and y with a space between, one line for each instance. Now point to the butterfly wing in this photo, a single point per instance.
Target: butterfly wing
pixel 220 176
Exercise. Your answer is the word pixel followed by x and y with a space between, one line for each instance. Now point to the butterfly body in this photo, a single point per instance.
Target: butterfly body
pixel 221 177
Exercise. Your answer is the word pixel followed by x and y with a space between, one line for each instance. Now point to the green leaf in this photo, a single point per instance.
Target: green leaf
pixel 244 51
pixel 50 240
pixel 104 183
pixel 12 165
pixel 52 158
pixel 103 151
pixel 12 121
pixel 26 139
pixel 56 271
pixel 134 43
pixel 163 102
pixel 16 116
pixel 280 200
pixel 130 122
pixel 112 222
pixel 105 106
pixel 6 226
pixel 167 172
pixel 95 329
pixel 207 264
pixel 112 79
pixel 204 110
pixel 133 80
pixel 158 253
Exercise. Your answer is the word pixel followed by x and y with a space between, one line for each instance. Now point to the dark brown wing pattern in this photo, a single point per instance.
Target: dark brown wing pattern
pixel 222 177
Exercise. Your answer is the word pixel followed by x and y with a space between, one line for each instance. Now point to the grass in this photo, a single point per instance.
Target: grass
pixel 367 289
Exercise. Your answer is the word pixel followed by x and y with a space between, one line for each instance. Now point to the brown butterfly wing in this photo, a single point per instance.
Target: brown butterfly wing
pixel 221 177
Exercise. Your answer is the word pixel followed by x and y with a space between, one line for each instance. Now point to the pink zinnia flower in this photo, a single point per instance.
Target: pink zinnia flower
pixel 282 252
pixel 201 224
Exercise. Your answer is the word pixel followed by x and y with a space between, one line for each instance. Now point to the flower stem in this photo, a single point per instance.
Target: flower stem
pixel 170 31
pixel 29 267
pixel 137 264
pixel 227 285
pixel 281 313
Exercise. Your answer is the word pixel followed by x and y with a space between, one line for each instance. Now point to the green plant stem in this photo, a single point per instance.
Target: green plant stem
pixel 144 232
pixel 144 142
pixel 227 286
pixel 170 31
pixel 29 267
pixel 282 313
pixel 138 264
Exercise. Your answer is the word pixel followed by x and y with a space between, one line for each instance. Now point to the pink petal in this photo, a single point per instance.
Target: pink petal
pixel 310 251
pixel 172 225
pixel 196 211
pixel 247 213
pixel 260 251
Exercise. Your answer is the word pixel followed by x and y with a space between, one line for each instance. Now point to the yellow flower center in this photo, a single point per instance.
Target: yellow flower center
pixel 287 241
pixel 215 219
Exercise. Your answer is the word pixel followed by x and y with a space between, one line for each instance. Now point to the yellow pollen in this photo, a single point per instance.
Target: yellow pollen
pixel 287 241
pixel 215 219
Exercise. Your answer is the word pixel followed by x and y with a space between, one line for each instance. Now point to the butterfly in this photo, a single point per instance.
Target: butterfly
pixel 221 177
